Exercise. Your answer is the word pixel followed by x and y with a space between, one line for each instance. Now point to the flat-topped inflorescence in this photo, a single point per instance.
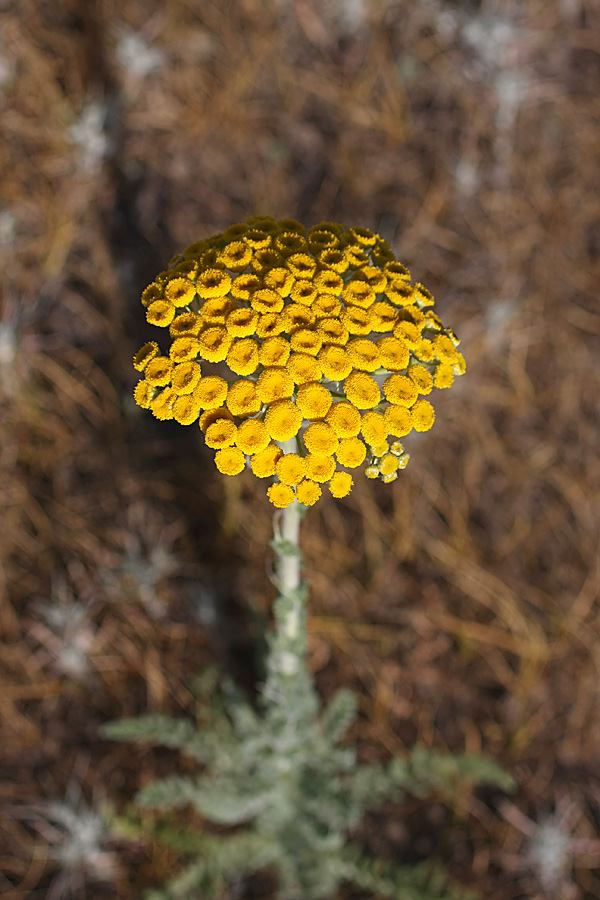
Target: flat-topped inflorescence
pixel 279 333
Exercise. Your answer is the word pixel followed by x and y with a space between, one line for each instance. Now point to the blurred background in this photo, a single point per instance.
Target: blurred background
pixel 461 602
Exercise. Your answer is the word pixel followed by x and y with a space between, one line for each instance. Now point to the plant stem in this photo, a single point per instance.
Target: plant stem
pixel 288 678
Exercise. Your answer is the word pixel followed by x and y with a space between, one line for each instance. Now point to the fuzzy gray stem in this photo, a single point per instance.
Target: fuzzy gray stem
pixel 289 683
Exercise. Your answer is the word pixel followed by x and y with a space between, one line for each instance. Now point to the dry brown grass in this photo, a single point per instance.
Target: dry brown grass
pixel 462 602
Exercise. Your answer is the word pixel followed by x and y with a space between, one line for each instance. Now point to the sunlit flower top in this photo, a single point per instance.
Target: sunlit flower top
pixel 316 340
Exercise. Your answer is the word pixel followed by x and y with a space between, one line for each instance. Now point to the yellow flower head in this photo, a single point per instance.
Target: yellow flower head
pixel 283 420
pixel 291 468
pixel 180 291
pixel 213 283
pixel 220 434
pixel 362 390
pixel 241 322
pixel 252 436
pixel 336 362
pixel 143 394
pixel 263 463
pixel 158 371
pixel 351 452
pixel 274 351
pixel 308 492
pixel 242 357
pixel 341 484
pixel 319 466
pixel 345 419
pixel 281 495
pixel 161 313
pixel 313 400
pixel 320 437
pixel 318 336
pixel 186 409
pixel 230 461
pixel 185 377
pixel 188 324
pixel 210 392
pixel 144 355
pixel 304 368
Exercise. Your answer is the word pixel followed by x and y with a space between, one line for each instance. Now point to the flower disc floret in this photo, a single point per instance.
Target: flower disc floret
pixel 266 300
pixel 382 317
pixel 301 265
pixel 444 376
pixel 422 379
pixel 400 390
pixel 319 466
pixel 160 313
pixel 351 452
pixel 236 256
pixel 187 324
pixel 332 331
pixel 186 409
pixel 344 418
pixel 308 492
pixel 290 468
pixel 158 371
pixel 423 415
pixel 214 344
pixel 252 436
pixel 241 322
pixel 220 434
pixel 180 292
pixel 185 377
pixel 230 461
pixel 281 495
pixel 243 399
pixel 327 306
pixel 356 320
pixel 279 279
pixel 274 383
pixel 364 354
pixel 358 293
pixel 263 463
pixel 162 405
pixel 210 391
pixel 303 292
pixel 242 357
pixel 341 484
pixel 143 394
pixel 373 428
pixel 388 464
pixel 269 325
pixel 213 283
pixel 244 286
pixel 304 368
pixel 320 437
pixel 144 355
pixel 184 349
pixel 215 311
pixel 305 340
pixel 336 362
pixel 213 415
pixel 393 353
pixel 283 420
pixel 313 400
pixel 361 390
pixel 398 420
pixel 274 351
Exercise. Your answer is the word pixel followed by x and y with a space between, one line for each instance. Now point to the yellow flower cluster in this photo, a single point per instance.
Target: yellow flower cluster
pixel 281 333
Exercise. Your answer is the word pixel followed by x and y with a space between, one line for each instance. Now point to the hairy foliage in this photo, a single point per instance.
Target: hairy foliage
pixel 282 773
